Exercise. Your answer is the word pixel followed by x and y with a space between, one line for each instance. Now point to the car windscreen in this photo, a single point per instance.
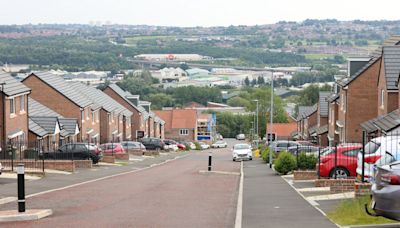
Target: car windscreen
pixel 371 147
pixel 241 147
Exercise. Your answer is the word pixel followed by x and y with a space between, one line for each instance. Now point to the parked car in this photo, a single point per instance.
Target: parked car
pixel 385 199
pixel 240 137
pixel 204 145
pixel 192 145
pixel 242 152
pixel 219 144
pixel 133 146
pixel 109 148
pixel 283 145
pixel 308 149
pixel 379 151
pixel 181 145
pixel 153 143
pixel 346 161
pixel 75 151
pixel 171 145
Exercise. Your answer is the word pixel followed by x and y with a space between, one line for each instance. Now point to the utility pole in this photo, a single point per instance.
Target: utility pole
pixel 256 121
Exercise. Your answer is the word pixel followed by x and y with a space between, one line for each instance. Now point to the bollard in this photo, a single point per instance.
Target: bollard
pixel 21 187
pixel 209 160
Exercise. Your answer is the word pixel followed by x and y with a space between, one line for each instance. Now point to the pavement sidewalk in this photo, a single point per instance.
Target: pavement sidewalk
pixel 269 201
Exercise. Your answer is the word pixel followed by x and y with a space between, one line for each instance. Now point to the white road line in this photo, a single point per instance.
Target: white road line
pixel 102 178
pixel 7 200
pixel 239 206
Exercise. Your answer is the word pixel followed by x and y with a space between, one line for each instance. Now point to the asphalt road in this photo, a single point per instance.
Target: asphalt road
pixel 174 194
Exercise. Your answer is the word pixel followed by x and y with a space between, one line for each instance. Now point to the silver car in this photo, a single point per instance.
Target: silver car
pixel 242 152
pixel 386 192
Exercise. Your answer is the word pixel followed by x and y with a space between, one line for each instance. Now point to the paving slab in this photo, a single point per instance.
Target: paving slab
pixel 28 215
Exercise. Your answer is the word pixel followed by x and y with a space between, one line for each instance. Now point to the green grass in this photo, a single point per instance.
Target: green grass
pixel 318 56
pixel 121 163
pixel 352 212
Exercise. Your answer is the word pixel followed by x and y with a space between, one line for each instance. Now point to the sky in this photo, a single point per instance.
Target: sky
pixel 185 13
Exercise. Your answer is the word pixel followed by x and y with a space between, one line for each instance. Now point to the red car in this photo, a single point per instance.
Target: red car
pixel 346 163
pixel 109 148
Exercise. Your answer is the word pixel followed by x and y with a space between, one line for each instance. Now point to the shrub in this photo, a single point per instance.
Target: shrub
pixel 198 147
pixel 305 161
pixel 187 146
pixel 265 155
pixel 285 163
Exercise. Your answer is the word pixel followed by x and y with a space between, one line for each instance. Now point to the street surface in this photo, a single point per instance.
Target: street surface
pixel 174 194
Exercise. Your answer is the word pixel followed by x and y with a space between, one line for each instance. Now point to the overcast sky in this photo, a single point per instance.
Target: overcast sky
pixel 192 12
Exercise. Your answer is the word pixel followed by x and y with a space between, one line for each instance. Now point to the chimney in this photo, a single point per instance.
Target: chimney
pixel 134 99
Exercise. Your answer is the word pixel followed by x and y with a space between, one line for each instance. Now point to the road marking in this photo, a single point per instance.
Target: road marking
pixel 102 178
pixel 219 172
pixel 239 206
pixel 7 200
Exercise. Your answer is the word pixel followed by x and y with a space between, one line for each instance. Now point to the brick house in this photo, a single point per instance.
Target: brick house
pixel 322 119
pixel 14 115
pixel 282 131
pixel 130 102
pixel 307 122
pixel 68 127
pixel 333 107
pixel 55 93
pixel 114 118
pixel 180 124
pixel 150 120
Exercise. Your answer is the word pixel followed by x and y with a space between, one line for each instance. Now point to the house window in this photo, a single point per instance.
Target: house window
pixel 12 106
pixel 22 103
pixel 184 132
pixel 112 117
pixel 382 98
pixel 120 119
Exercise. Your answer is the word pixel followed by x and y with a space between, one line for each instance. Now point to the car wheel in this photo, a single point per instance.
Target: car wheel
pixel 341 173
pixel 251 159
pixel 233 159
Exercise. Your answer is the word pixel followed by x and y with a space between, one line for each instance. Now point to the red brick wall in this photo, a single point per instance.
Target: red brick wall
pixel 18 120
pixel 174 134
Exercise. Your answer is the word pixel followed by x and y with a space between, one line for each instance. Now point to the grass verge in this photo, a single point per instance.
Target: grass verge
pixel 352 212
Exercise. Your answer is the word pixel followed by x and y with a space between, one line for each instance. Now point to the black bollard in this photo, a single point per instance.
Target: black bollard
pixel 209 161
pixel 21 187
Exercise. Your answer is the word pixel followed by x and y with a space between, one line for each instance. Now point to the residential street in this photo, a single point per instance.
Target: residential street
pixel 171 195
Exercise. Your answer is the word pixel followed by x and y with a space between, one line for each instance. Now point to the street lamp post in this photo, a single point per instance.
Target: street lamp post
pixel 256 120
pixel 271 120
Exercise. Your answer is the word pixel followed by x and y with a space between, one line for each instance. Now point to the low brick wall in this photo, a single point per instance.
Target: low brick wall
pixel 362 189
pixel 108 159
pixel 305 175
pixel 63 165
pixel 88 164
pixel 342 185
pixel 122 156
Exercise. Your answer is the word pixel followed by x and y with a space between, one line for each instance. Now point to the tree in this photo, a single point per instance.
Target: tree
pixel 260 80
pixel 247 81
pixel 239 102
pixel 253 82
pixel 104 85
pixel 160 100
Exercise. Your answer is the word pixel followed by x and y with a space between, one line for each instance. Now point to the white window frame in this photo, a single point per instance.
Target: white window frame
pixel 183 131
pixel 88 115
pixel 12 106
pixel 93 116
pixel 382 98
pixel 22 103
pixel 83 116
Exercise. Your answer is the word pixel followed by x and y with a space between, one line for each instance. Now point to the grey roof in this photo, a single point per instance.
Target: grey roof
pixel 310 110
pixel 67 125
pixel 36 129
pixel 369 125
pixel 323 103
pixel 37 109
pixel 12 86
pixel 313 129
pixel 332 97
pixel 391 57
pixel 124 95
pixel 392 40
pixel 389 121
pixel 100 98
pixel 302 110
pixel 322 129
pixel 347 80
pixel 43 125
pixel 59 84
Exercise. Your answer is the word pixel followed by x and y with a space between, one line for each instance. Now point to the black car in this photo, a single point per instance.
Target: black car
pixel 153 143
pixel 75 151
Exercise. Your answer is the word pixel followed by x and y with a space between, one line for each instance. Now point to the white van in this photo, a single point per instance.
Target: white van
pixel 379 151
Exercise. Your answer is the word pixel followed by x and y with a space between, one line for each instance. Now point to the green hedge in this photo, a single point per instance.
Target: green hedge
pixel 285 163
pixel 265 155
pixel 306 162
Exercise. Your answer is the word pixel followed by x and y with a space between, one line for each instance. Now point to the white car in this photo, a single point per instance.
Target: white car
pixel 378 152
pixel 240 137
pixel 242 152
pixel 204 146
pixel 219 144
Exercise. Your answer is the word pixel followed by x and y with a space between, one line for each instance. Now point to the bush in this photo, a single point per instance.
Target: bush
pixel 305 161
pixel 265 155
pixel 198 147
pixel 285 163
pixel 187 146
